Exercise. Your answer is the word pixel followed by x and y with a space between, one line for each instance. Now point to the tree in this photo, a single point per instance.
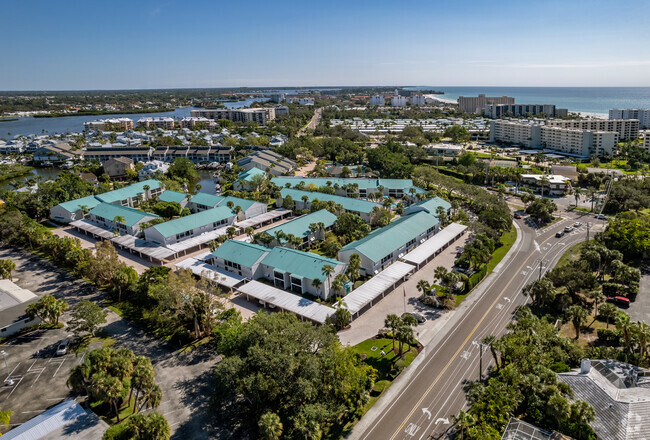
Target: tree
pixel 342 315
pixel 626 328
pixel 47 308
pixel 270 426
pixel 542 292
pixel 405 331
pixel 150 426
pixel 598 297
pixel 577 193
pixel 391 322
pixel 86 317
pixel 423 286
pixel 339 283
pixel 5 417
pixel 350 227
pixel 463 422
pixel 578 316
pixel 6 267
pixel 354 267
pixel 492 342
pixel 183 170
pixel 607 311
pixel 327 270
pixel 317 284
pixel 542 208
pixel 249 231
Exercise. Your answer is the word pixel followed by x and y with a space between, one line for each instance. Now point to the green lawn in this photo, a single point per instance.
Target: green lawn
pixel 507 240
pixel 573 253
pixel 383 364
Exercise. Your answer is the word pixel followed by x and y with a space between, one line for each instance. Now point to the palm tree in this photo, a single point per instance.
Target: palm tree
pixel 317 284
pixel 544 181
pixel 270 426
pixel 119 219
pixel 493 343
pixel 294 241
pixel 577 193
pixel 6 267
pixel 597 296
pixel 342 315
pixel 578 316
pixel 279 236
pixel 607 311
pixel 231 231
pixel 463 422
pixel 391 322
pixel 625 327
pixel 423 286
pixel 339 283
pixel 327 270
pixel 643 335
pixel 440 273
pixel 591 192
pixel 354 267
pixel 109 389
pixel 250 232
pixel 5 417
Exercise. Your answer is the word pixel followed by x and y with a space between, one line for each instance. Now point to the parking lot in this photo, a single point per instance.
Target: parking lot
pixel 38 375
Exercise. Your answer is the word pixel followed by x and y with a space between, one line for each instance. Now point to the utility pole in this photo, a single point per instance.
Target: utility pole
pixel 541 266
pixel 480 363
pixel 588 226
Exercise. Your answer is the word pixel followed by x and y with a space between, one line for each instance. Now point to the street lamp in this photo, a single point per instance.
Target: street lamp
pixel 481 346
pixel 541 263
pixel 8 380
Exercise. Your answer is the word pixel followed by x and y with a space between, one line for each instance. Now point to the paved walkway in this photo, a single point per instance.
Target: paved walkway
pixel 367 325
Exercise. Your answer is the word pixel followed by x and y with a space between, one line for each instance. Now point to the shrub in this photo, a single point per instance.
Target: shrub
pixel 607 336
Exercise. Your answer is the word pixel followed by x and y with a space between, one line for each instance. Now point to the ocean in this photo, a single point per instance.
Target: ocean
pixel 597 100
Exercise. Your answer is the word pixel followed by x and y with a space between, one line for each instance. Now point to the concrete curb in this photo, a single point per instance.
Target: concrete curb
pixel 447 322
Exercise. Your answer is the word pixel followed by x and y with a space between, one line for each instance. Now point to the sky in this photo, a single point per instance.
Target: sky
pixel 82 45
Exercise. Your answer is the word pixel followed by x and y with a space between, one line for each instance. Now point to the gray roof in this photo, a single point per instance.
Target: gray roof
pixel 520 430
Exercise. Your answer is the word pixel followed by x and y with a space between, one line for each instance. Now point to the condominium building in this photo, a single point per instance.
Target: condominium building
pixel 471 104
pixel 626 128
pixel 417 100
pixel 113 124
pixel 258 115
pixel 190 122
pixel 397 100
pixel 516 110
pixel 512 132
pixel 646 141
pixel 157 122
pixel 643 115
pixel 377 100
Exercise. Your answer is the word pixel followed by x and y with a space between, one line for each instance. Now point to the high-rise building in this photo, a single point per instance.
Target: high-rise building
pixel 157 122
pixel 377 100
pixel 516 110
pixel 470 104
pixel 512 132
pixel 643 115
pixel 258 115
pixel 646 141
pixel 626 128
pixel 110 124
pixel 417 100
pixel 397 100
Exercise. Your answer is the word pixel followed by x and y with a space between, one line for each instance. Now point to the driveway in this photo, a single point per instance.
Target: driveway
pixel 640 309
pixel 184 378
pixel 367 325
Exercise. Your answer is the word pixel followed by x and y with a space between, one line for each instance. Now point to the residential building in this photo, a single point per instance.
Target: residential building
pixel 174 196
pixel 301 227
pixel 520 430
pixel 196 154
pixel 191 122
pixel 353 187
pixel 189 226
pixel 627 129
pixel 304 199
pixel 519 133
pixel 471 104
pixel 240 257
pixel 643 115
pixel 204 201
pixel 112 124
pixel 120 219
pixel 269 161
pixel 397 100
pixel 295 270
pixel 165 123
pixel 118 167
pixel 579 143
pixel 14 301
pixel 153 167
pixel 306 101
pixel 619 394
pixel 646 142
pixel 556 184
pixel 259 115
pixel 377 100
pixel 383 246
pixel 445 149
pixel 496 111
pixel 72 210
pixel 104 154
pixel 281 110
pixel 417 100
pixel 56 152
pixel 277 97
pixel 243 182
pixel 430 206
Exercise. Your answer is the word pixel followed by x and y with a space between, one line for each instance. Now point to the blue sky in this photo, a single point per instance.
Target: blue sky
pixel 63 45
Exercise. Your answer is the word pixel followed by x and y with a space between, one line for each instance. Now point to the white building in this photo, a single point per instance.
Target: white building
pixel 646 141
pixel 557 185
pixel 512 132
pixel 397 100
pixel 306 101
pixel 626 128
pixel 417 100
pixel 377 100
pixel 643 115
pixel 191 122
pixel 157 122
pixel 189 226
pixel 113 124
pixel 245 115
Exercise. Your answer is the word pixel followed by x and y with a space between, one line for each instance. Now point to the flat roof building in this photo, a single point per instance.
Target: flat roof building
pixel 471 104
pixel 627 129
pixel 643 115
pixel 13 305
pixel 112 124
pixel 259 115
pixel 163 122
pixel 496 111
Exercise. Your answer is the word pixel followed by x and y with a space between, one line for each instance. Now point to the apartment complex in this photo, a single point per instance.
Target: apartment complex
pixel 417 100
pixel 267 160
pixel 515 110
pixel 259 115
pixel 571 141
pixel 471 104
pixel 190 122
pixel 646 142
pixel 643 115
pixel 377 100
pixel 513 132
pixel 113 124
pixel 157 122
pixel 397 100
pixel 626 128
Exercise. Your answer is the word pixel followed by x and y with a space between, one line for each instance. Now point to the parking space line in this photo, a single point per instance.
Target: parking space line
pixel 60 365
pixel 15 386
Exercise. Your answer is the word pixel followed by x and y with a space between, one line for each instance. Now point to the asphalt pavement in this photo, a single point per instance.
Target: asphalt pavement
pixel 422 408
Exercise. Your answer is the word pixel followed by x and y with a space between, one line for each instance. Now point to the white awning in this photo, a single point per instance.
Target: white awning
pixel 202 269
pixel 377 286
pixel 287 301
pixel 263 218
pixel 447 235
pixel 199 240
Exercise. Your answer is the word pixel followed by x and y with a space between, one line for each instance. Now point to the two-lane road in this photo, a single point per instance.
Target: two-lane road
pixel 423 408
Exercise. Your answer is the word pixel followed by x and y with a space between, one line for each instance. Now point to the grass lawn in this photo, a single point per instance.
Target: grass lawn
pixel 507 240
pixel 571 254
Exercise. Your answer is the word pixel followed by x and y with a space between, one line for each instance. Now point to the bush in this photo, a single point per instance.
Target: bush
pixel 476 278
pixel 397 368
pixel 611 289
pixel 560 367
pixel 607 336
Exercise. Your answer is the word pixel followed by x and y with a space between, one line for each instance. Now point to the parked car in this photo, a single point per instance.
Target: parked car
pixel 419 318
pixel 568 229
pixel 559 234
pixel 62 349
pixel 518 216
pixel 577 224
pixel 620 301
pixel 600 216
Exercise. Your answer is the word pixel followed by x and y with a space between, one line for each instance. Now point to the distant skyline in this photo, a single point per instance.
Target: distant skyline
pixel 83 45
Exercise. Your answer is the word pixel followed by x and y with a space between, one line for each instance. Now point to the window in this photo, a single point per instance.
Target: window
pixel 386 258
pixel 410 243
pixel 231 265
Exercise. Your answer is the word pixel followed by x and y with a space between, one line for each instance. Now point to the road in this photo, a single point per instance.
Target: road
pixel 423 408
pixel 315 120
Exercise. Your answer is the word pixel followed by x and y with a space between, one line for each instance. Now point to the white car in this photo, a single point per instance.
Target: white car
pixel 62 349
pixel 577 224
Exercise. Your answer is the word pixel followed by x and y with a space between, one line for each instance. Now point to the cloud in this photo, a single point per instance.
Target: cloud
pixel 595 65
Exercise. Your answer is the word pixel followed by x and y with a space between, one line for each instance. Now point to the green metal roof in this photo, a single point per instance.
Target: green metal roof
pixel 172 196
pixel 130 191
pixel 193 221
pixel 244 203
pixel 240 252
pixel 403 184
pixel 349 204
pixel 75 205
pixel 300 226
pixel 384 241
pixel 206 199
pixel 247 175
pixel 301 264
pixel 131 216
pixel 432 204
